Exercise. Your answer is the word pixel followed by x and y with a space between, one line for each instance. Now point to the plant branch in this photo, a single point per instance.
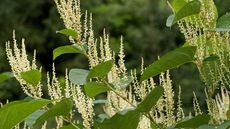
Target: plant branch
pixel 148 115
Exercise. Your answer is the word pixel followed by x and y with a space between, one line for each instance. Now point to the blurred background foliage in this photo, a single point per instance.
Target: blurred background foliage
pixel 141 22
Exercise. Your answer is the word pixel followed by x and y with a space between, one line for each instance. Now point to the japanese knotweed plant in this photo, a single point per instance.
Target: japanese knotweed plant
pixel 132 101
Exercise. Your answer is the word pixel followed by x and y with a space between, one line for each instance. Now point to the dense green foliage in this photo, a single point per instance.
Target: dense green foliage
pixel 97 80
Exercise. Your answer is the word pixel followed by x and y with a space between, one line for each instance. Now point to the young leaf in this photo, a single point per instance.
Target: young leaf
pixel 101 70
pixel 78 76
pixel 15 112
pixel 68 32
pixel 191 8
pixel 93 88
pixel 128 120
pixel 151 99
pixel 32 77
pixel 5 76
pixel 68 49
pixel 62 108
pixel 224 21
pixel 171 60
pixel 194 122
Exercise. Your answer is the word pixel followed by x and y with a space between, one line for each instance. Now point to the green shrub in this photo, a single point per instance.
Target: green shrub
pixel 132 101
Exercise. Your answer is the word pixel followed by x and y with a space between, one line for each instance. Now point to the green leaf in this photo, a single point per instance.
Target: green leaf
pixel 128 120
pixel 151 99
pixel 194 122
pixel 5 76
pixel 225 125
pixel 68 49
pixel 224 21
pixel 15 112
pixel 31 119
pixel 223 24
pixel 171 60
pixel 68 32
pixel 78 76
pixel 178 4
pixel 93 88
pixel 211 58
pixel 122 82
pixel 32 77
pixel 62 108
pixel 189 9
pixel 101 70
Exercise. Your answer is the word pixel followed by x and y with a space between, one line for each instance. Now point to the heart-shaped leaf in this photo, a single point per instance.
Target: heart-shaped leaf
pixel 78 76
pixel 32 77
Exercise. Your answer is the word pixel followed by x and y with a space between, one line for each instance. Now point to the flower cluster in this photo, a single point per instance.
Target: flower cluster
pixel 166 112
pixel 19 63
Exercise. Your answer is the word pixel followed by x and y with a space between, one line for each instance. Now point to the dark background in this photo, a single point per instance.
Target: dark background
pixel 141 22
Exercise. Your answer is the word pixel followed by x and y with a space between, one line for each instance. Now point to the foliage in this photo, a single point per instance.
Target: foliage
pixel 139 103
pixel 182 55
pixel 184 9
pixel 33 77
pixel 24 108
pixel 66 50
